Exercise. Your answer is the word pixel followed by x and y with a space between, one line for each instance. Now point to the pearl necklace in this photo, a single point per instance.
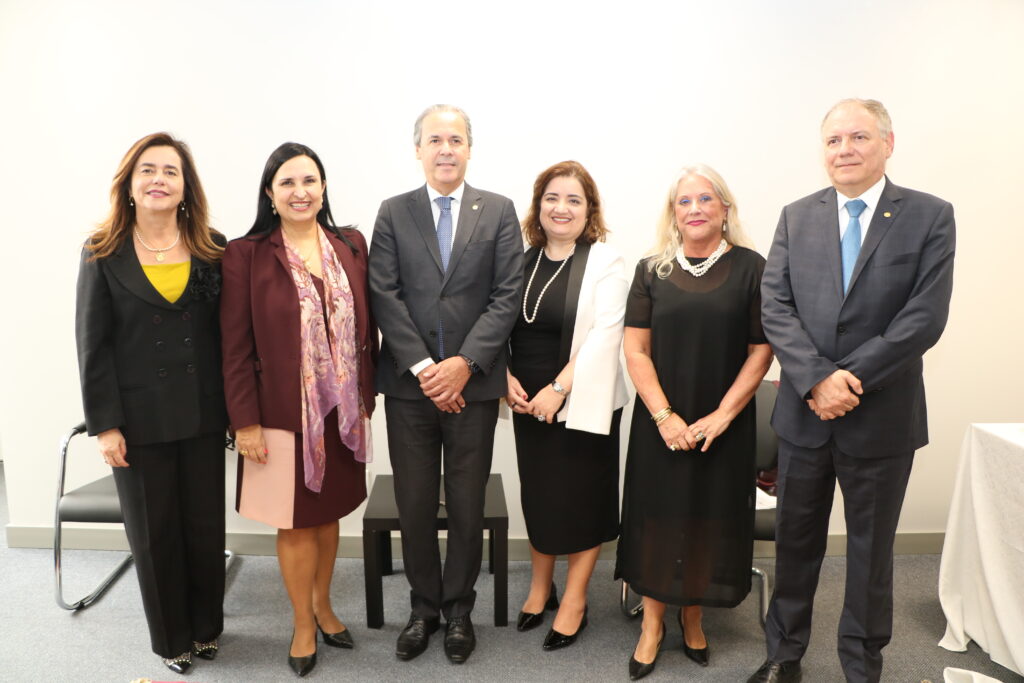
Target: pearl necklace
pixel 526 295
pixel 159 252
pixel 704 266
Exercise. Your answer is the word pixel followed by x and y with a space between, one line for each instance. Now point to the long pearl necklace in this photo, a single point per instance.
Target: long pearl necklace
pixel 704 266
pixel 159 253
pixel 540 296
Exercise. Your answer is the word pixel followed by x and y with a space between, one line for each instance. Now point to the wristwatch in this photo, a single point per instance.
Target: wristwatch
pixel 559 389
pixel 473 367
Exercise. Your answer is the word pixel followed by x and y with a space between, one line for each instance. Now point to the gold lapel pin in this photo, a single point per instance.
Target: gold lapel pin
pixel 475 207
pixel 887 214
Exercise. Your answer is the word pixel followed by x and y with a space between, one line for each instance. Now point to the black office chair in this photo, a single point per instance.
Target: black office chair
pixel 766 458
pixel 94 502
pixel 764 520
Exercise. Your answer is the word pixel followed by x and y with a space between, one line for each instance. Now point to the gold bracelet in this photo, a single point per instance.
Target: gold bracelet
pixel 662 415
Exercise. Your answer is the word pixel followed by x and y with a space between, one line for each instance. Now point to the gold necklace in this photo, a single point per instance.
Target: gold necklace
pixel 159 253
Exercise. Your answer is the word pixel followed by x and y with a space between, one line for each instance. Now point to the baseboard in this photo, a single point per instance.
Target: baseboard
pixel 113 538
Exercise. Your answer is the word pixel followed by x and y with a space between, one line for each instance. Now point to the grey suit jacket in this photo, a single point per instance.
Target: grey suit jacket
pixel 477 297
pixel 895 309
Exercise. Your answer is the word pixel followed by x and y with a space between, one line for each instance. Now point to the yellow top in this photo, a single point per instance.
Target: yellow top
pixel 169 278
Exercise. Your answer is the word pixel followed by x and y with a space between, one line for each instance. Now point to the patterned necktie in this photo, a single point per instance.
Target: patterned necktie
pixel 851 240
pixel 444 242
pixel 444 229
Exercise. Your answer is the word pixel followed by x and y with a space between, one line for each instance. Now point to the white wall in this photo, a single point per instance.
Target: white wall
pixel 741 85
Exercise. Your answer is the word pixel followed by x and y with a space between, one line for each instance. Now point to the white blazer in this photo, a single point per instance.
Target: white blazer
pixel 598 385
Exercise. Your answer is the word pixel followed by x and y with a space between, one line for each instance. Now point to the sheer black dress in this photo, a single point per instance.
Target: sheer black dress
pixel 687 517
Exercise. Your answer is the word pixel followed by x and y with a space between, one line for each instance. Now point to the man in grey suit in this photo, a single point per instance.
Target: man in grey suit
pixel 856 289
pixel 446 270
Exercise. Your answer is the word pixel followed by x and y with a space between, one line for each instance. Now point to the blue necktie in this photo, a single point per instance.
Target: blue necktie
pixel 444 242
pixel 851 240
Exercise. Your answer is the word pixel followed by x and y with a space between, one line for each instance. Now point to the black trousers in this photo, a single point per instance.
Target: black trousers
pixel 873 491
pixel 172 499
pixel 420 439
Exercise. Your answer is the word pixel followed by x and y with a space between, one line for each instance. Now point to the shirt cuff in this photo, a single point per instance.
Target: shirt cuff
pixel 421 366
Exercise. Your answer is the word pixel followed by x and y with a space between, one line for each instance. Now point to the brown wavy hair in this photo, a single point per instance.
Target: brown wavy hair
pixel 193 221
pixel 593 231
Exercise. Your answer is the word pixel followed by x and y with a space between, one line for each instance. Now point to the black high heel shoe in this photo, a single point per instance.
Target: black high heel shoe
pixel 206 651
pixel 301 665
pixel 180 664
pixel 638 670
pixel 702 655
pixel 556 641
pixel 529 620
pixel 342 639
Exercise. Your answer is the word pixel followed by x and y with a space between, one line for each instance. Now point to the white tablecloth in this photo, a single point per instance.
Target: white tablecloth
pixel 981 577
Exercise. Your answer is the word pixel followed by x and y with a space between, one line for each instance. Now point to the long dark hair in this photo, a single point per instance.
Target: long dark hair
pixel 266 220
pixel 192 221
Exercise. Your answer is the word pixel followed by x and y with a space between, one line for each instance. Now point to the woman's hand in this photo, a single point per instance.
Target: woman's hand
pixel 112 448
pixel 249 442
pixel 676 434
pixel 545 404
pixel 515 396
pixel 710 427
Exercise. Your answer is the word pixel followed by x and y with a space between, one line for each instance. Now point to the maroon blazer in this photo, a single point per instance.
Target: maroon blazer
pixel 259 315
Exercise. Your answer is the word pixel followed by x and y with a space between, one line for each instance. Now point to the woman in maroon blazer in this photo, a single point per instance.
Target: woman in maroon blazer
pixel 300 350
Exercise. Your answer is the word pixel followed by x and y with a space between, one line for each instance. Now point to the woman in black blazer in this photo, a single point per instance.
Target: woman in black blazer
pixel 148 339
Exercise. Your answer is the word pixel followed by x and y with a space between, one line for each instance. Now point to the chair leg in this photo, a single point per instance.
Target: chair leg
pixel 631 612
pixel 91 597
pixel 764 593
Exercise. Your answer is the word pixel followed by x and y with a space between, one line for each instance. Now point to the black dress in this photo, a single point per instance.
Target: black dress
pixel 687 517
pixel 569 479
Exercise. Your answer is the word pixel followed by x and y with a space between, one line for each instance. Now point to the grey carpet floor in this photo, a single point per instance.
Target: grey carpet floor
pixel 109 641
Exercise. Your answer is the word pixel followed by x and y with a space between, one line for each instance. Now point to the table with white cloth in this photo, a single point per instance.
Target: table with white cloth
pixel 981 576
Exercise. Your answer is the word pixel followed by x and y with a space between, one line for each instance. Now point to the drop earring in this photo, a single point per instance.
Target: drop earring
pixel 273 209
pixel 131 200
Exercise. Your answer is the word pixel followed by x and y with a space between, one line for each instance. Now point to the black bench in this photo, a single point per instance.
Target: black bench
pixel 381 518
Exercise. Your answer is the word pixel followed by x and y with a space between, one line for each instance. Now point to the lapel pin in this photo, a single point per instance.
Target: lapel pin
pixel 475 207
pixel 887 214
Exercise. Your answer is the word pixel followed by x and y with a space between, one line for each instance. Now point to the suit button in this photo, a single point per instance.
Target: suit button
pixel 190 369
pixel 160 346
pixel 841 329
pixel 186 316
pixel 187 342
pixel 157 320
pixel 162 372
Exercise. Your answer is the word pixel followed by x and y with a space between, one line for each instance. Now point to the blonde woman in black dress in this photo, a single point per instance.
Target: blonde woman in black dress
pixel 696 353
pixel 566 388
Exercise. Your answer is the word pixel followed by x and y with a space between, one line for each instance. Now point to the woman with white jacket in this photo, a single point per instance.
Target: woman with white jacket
pixel 566 388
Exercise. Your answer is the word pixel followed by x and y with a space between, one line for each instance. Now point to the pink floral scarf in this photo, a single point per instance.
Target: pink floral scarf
pixel 328 362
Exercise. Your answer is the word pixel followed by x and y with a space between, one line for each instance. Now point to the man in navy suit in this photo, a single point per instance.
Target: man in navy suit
pixel 856 289
pixel 446 272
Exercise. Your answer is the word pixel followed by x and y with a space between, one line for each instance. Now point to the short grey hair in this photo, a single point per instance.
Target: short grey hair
pixel 874 107
pixel 417 131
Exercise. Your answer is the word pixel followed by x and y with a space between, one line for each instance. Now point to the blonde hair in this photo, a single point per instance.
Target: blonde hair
pixel 667 244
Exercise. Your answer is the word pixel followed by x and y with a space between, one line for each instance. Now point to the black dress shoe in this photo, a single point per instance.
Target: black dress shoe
pixel 777 672
pixel 205 650
pixel 529 620
pixel 301 665
pixel 180 664
pixel 702 655
pixel 413 639
pixel 340 639
pixel 638 670
pixel 556 641
pixel 459 639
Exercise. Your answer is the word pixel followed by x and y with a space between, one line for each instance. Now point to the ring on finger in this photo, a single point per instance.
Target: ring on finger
pixel 244 452
pixel 541 418
pixel 701 435
pixel 673 447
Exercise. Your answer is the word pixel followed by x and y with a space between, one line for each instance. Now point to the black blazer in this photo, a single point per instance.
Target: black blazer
pixel 147 366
